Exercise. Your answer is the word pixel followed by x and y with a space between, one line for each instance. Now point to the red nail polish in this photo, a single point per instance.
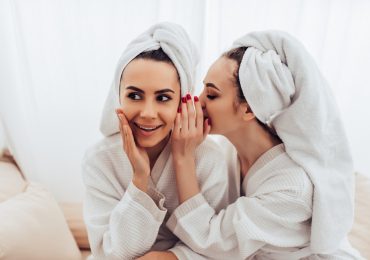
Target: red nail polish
pixel 183 99
pixel 209 121
pixel 196 99
pixel 188 97
pixel 179 110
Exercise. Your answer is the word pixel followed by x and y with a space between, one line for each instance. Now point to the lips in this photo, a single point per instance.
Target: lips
pixel 205 116
pixel 147 128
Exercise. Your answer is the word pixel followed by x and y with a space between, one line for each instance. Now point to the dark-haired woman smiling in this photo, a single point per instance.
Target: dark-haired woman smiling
pixel 129 175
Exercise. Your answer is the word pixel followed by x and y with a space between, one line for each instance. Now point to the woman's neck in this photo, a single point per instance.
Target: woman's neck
pixel 251 142
pixel 155 151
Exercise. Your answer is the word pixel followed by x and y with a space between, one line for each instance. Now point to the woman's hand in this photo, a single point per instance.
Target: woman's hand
pixel 189 130
pixel 155 255
pixel 137 155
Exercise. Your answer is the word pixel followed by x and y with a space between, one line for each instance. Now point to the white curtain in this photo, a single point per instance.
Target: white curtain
pixel 57 60
pixel 2 138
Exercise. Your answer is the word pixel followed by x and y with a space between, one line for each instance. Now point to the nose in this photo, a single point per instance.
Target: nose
pixel 202 99
pixel 149 110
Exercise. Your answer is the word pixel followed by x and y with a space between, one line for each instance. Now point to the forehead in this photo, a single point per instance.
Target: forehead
pixel 150 74
pixel 221 73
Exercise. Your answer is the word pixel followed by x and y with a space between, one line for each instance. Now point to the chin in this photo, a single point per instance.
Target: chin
pixel 214 132
pixel 151 141
pixel 148 143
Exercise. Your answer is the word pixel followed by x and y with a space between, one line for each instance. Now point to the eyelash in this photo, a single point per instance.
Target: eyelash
pixel 132 96
pixel 168 98
pixel 210 97
pixel 136 96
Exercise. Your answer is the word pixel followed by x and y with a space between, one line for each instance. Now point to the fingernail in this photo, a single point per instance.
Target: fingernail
pixel 183 99
pixel 188 97
pixel 196 99
pixel 209 121
pixel 179 110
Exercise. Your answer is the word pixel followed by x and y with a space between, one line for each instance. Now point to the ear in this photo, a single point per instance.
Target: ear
pixel 245 112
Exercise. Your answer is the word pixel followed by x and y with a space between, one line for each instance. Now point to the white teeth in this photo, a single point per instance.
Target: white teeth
pixel 148 128
pixel 144 128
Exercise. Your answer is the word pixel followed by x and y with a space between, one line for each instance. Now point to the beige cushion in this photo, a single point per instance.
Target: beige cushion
pixel 32 226
pixel 73 215
pixel 360 234
pixel 11 181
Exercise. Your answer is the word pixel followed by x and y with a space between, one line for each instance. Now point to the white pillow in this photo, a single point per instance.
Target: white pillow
pixel 11 181
pixel 33 227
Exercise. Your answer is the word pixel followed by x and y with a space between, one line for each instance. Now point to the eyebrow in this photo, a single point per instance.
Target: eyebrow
pixel 157 92
pixel 211 85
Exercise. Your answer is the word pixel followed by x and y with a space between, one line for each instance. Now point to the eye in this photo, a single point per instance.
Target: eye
pixel 211 97
pixel 134 96
pixel 163 98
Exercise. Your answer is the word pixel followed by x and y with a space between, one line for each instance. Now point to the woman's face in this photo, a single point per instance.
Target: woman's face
pixel 219 96
pixel 150 96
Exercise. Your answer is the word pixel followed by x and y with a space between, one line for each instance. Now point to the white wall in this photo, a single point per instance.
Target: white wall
pixel 337 35
pixel 2 138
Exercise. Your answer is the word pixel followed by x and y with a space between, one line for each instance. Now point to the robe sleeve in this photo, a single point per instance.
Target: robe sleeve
pixel 119 227
pixel 277 214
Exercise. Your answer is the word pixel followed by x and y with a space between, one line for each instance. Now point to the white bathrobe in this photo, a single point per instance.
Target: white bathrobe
pixel 271 219
pixel 122 221
pixel 298 198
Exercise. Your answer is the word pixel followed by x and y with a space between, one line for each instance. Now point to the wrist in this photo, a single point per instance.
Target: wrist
pixel 184 159
pixel 141 182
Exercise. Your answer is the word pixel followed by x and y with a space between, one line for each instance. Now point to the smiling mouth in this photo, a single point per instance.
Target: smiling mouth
pixel 147 128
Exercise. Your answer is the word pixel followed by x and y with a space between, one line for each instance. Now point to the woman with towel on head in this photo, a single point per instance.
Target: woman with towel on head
pixel 129 175
pixel 268 98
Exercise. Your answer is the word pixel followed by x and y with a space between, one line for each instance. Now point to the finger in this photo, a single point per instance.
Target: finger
pixel 121 130
pixel 124 136
pixel 124 120
pixel 125 143
pixel 199 114
pixel 206 128
pixel 177 125
pixel 130 143
pixel 184 116
pixel 191 113
pixel 129 136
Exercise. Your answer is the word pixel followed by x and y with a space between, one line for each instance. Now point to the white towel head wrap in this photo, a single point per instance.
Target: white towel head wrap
pixel 285 89
pixel 175 42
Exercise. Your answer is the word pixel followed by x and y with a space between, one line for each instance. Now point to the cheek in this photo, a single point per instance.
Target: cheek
pixel 170 117
pixel 129 111
pixel 219 111
pixel 214 108
pixel 169 111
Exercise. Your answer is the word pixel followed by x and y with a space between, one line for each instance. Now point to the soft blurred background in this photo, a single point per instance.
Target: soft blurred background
pixel 57 60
